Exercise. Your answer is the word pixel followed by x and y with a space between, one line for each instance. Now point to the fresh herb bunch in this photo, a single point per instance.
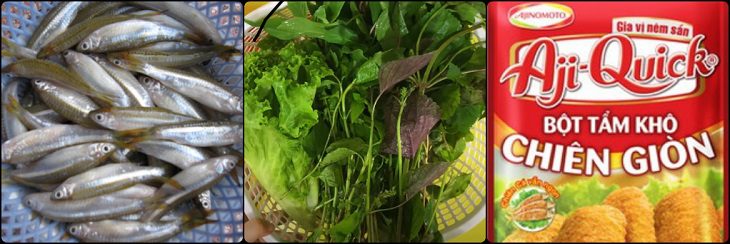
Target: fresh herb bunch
pixel 353 109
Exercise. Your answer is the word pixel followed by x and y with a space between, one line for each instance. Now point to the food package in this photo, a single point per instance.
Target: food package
pixel 609 118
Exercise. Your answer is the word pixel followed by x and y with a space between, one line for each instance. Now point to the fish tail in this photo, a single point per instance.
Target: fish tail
pixel 11 46
pixel 194 37
pixel 153 212
pixel 7 177
pixel 128 138
pixel 195 217
pixel 8 68
pixel 46 51
pixel 227 52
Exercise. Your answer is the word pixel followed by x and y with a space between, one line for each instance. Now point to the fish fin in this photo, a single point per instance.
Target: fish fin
pixel 234 175
pixel 150 14
pixel 13 106
pixel 65 236
pixel 152 201
pixel 133 63
pixel 227 52
pixel 173 183
pixel 8 52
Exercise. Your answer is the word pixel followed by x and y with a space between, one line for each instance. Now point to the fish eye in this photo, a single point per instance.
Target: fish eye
pixel 117 62
pixel 84 46
pixel 58 194
pixel 99 117
pixel 37 82
pixel 28 202
pixel 65 53
pixel 72 229
pixel 106 148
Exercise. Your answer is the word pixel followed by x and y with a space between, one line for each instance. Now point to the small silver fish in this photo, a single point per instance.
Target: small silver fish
pixel 130 34
pixel 89 209
pixel 187 15
pixel 54 23
pixel 66 162
pixel 167 98
pixel 194 181
pixel 197 134
pixel 136 231
pixel 70 104
pixel 206 91
pixel 105 179
pixel 128 118
pixel 126 80
pixel 12 126
pixel 29 119
pixel 37 143
pixel 182 156
pixel 96 77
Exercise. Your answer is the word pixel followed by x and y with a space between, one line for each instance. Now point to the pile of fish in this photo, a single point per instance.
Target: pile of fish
pixel 109 114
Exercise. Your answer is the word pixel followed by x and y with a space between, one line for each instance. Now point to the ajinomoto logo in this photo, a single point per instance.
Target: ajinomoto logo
pixel 541 16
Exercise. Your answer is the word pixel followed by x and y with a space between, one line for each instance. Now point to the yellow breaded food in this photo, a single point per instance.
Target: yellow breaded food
pixel 599 223
pixel 638 211
pixel 720 217
pixel 546 235
pixel 686 215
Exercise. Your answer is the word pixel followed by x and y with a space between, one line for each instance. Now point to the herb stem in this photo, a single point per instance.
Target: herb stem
pixel 423 28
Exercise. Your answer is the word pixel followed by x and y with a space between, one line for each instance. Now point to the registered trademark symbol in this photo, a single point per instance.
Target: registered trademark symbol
pixel 711 60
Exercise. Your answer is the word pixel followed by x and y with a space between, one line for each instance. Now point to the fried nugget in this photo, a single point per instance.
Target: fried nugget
pixel 720 216
pixel 545 235
pixel 638 211
pixel 599 223
pixel 686 215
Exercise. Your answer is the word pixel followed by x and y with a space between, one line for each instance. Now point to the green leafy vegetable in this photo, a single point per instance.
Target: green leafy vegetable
pixel 299 9
pixel 455 187
pixel 335 135
pixel 424 175
pixel 337 155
